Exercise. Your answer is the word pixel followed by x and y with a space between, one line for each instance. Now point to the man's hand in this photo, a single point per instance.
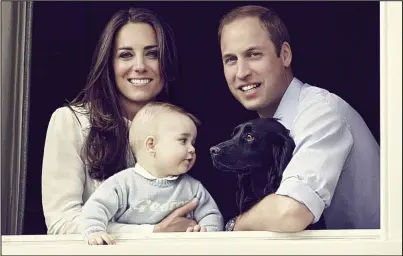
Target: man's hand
pixel 176 222
pixel 100 238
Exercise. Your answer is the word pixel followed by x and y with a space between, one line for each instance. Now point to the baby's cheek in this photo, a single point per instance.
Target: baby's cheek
pixel 193 162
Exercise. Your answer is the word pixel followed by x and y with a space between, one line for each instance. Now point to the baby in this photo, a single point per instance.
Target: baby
pixel 162 136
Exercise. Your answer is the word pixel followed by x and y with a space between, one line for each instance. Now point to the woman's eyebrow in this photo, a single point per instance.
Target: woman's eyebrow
pixel 126 48
pixel 150 47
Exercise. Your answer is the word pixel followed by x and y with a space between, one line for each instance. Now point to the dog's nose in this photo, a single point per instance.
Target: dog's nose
pixel 214 150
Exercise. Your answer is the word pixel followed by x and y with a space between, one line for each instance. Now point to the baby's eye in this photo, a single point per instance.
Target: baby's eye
pixel 183 141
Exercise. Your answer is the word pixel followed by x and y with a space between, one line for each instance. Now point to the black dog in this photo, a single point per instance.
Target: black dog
pixel 258 152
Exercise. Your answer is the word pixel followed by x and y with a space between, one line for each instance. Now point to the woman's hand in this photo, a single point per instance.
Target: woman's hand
pixel 176 222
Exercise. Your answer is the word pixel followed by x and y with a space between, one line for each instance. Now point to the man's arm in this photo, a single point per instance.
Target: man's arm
pixel 323 142
pixel 285 215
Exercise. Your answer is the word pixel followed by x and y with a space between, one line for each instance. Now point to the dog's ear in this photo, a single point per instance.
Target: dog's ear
pixel 282 152
pixel 282 147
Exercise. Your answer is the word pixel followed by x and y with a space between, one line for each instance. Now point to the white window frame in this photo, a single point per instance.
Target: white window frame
pixel 387 240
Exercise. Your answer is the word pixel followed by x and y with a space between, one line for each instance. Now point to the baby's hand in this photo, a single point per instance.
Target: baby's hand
pixel 100 238
pixel 196 228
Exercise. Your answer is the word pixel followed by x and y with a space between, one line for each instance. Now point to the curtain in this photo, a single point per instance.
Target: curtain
pixel 16 24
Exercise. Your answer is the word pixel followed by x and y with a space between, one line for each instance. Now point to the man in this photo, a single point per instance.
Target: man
pixel 335 165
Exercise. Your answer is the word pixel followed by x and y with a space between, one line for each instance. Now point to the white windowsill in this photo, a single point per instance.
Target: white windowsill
pixel 306 242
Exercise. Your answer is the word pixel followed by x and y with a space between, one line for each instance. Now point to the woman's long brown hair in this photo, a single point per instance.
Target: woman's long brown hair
pixel 106 146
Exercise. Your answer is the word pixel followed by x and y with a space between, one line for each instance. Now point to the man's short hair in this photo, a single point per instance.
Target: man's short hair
pixel 269 19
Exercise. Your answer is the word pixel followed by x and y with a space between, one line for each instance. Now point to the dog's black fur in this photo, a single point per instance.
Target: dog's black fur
pixel 258 152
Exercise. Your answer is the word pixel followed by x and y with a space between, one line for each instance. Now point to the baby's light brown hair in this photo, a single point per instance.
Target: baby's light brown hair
pixel 144 122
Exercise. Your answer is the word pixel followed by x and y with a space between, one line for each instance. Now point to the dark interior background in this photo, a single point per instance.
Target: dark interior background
pixel 335 46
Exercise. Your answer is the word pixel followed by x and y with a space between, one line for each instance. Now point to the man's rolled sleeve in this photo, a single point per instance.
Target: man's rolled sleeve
pixel 323 142
pixel 303 193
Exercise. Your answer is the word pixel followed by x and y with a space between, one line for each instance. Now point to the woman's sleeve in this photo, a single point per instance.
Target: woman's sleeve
pixel 63 173
pixel 63 177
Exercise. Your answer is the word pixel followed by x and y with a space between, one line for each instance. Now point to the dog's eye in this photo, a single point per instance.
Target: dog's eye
pixel 249 137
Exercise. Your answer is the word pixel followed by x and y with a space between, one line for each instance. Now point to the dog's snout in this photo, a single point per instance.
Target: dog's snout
pixel 214 150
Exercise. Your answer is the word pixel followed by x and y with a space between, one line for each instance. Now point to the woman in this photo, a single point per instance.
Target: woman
pixel 87 141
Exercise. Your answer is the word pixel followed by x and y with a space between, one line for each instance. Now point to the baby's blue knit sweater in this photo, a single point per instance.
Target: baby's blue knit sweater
pixel 128 197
